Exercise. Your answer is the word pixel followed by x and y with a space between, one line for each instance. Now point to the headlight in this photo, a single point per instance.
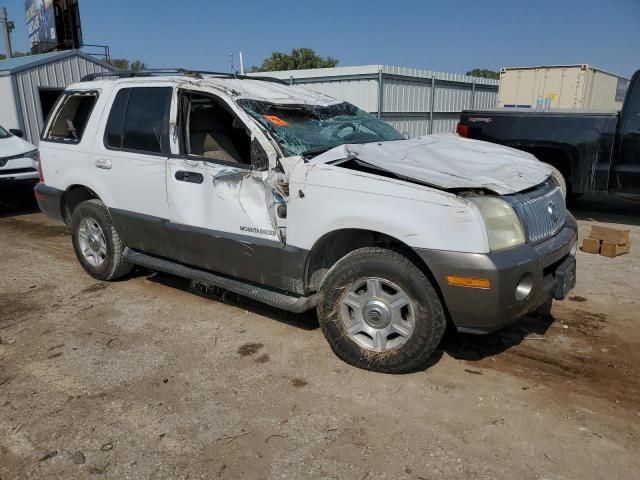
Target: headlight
pixel 33 155
pixel 504 228
pixel 558 179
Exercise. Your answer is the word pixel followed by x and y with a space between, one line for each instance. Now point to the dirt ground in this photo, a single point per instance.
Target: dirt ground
pixel 145 379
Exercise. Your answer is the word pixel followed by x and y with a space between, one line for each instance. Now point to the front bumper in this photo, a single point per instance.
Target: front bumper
pixel 485 310
pixel 18 168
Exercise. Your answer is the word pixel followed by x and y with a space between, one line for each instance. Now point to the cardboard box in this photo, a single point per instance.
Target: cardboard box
pixel 613 250
pixel 590 245
pixel 616 236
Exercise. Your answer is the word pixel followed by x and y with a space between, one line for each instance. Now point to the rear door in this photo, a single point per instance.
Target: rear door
pixel 129 162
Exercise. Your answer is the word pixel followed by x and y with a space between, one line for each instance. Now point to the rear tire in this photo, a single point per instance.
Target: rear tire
pixel 380 312
pixel 96 242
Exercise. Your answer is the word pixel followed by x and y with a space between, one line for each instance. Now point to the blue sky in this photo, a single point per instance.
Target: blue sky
pixel 452 36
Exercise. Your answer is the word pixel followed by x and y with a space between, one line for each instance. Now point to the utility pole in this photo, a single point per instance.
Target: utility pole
pixel 7 27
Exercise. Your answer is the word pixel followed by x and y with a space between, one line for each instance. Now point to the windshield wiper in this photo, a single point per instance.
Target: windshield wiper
pixel 316 150
pixel 324 148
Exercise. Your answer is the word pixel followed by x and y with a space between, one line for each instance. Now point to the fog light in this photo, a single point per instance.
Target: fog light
pixel 525 285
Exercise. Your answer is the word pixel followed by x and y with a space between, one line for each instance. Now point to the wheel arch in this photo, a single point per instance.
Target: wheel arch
pixel 334 245
pixel 72 197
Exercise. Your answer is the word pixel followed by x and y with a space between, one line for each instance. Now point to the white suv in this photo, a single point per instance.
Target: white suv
pixel 302 201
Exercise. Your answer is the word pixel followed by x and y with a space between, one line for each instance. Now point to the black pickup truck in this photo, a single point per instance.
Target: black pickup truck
pixel 595 151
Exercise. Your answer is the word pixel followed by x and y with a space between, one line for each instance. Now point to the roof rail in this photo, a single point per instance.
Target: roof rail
pixel 176 71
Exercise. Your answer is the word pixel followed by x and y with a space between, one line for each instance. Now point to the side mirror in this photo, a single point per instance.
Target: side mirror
pixel 17 132
pixel 405 136
pixel 259 158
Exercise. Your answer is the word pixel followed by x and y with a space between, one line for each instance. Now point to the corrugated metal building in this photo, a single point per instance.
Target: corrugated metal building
pixel 414 101
pixel 29 86
pixel 567 86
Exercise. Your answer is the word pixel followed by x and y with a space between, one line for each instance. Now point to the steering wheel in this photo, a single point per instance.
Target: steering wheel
pixel 352 126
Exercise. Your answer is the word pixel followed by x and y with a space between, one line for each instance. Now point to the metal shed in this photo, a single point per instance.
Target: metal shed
pixel 29 86
pixel 414 101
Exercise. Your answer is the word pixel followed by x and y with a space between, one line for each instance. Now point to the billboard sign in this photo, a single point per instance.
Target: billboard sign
pixel 41 22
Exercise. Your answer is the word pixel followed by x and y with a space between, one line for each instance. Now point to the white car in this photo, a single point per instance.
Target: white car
pixel 302 201
pixel 18 158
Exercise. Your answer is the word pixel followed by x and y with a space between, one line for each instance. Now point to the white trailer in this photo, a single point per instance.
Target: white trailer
pixel 568 86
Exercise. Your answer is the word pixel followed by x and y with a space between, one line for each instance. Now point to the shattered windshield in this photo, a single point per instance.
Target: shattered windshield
pixel 307 130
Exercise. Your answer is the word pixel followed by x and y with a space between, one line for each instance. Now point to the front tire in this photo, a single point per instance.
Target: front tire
pixel 96 242
pixel 380 312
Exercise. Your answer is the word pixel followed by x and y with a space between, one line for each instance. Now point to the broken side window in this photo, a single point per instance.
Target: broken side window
pixel 310 130
pixel 72 116
pixel 213 130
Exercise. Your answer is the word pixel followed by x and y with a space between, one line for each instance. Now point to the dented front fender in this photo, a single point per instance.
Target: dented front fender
pixel 324 198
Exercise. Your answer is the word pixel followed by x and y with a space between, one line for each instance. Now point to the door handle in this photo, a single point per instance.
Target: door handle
pixel 191 177
pixel 103 163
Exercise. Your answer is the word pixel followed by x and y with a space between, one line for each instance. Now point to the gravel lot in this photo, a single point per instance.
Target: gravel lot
pixel 145 379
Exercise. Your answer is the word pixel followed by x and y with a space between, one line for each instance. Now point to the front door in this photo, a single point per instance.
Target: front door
pixel 130 161
pixel 221 210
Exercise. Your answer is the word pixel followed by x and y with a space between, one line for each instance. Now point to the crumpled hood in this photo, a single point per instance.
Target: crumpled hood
pixel 449 161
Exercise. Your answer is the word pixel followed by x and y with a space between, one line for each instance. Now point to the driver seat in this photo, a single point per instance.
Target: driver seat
pixel 209 137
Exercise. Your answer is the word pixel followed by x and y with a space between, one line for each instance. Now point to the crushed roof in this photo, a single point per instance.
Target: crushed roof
pixel 261 90
pixel 273 91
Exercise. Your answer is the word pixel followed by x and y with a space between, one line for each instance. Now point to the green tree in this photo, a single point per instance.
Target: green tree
pixel 298 59
pixel 124 64
pixel 138 65
pixel 484 73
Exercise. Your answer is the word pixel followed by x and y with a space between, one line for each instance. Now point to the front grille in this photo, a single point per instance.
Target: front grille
pixel 543 213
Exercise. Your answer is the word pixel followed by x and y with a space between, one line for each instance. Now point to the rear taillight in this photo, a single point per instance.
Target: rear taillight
pixel 40 175
pixel 462 130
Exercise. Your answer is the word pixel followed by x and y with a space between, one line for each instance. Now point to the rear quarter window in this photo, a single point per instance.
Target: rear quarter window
pixel 71 117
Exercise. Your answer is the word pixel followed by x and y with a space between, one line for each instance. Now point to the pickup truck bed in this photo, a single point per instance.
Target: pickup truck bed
pixel 596 151
pixel 578 143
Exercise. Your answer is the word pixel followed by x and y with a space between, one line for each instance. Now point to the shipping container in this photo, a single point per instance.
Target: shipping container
pixel 414 101
pixel 567 86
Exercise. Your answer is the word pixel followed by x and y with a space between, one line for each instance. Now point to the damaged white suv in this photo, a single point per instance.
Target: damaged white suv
pixel 302 201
